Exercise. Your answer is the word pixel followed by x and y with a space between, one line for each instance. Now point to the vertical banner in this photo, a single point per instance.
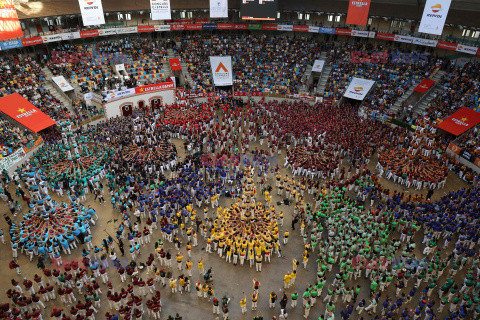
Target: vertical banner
pixel 222 70
pixel 318 65
pixel 358 12
pixel 218 8
pixel 434 16
pixel 9 24
pixel 160 9
pixel 92 12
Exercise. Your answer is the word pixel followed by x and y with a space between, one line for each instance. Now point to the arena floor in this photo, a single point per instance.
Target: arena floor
pixel 229 280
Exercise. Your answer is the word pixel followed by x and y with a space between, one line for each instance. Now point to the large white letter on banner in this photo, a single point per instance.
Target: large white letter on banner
pixel 434 16
pixel 92 12
pixel 318 65
pixel 222 70
pixel 218 8
pixel 358 88
pixel 160 9
pixel 62 83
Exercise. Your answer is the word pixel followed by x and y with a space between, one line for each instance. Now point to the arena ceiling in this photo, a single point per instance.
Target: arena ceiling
pixel 462 12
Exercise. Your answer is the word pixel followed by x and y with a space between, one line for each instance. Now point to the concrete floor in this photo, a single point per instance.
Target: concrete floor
pixel 229 280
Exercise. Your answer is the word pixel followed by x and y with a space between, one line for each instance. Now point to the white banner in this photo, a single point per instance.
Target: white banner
pixel 467 49
pixel 9 161
pixel 159 27
pixel 313 29
pixel 107 32
pixel 371 34
pixel 92 12
pixel 358 33
pixel 318 65
pixel 160 9
pixel 284 27
pixel 222 70
pixel 404 39
pixel 52 38
pixel 120 67
pixel 358 88
pixel 62 83
pixel 425 42
pixel 119 94
pixel 71 35
pixel 218 8
pixel 434 16
pixel 88 96
pixel 127 30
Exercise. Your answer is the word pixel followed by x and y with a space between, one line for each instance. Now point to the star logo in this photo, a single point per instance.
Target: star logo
pixel 21 110
pixel 464 119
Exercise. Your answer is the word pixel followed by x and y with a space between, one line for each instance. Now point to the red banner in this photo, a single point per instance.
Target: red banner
pixel 225 26
pixel 155 87
pixel 176 27
pixel 447 45
pixel 269 27
pixel 88 33
pixel 19 109
pixel 241 26
pixel 300 28
pixel 385 36
pixel 175 64
pixel 146 28
pixel 477 162
pixel 32 41
pixel 10 27
pixel 460 121
pixel 424 85
pixel 194 26
pixel 240 93
pixel 358 12
pixel 454 148
pixel 343 32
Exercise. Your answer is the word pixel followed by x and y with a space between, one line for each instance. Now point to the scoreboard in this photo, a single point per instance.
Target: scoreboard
pixel 259 9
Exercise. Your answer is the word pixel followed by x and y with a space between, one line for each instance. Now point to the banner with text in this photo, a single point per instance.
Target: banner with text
pixel 160 9
pixel 222 70
pixel 9 161
pixel 434 16
pixel 92 12
pixel 358 88
pixel 218 8
pixel 358 12
pixel 460 121
pixel 62 83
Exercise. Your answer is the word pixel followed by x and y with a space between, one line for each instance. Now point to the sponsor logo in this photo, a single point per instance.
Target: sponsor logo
pixel 24 113
pixel 90 5
pixel 435 9
pixel 454 148
pixel 221 67
pixel 358 89
pixel 461 122
pixel 359 4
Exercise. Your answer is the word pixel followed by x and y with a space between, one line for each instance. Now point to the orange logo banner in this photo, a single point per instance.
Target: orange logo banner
pixel 454 148
pixel 358 12
pixel 221 67
pixel 9 24
pixel 477 162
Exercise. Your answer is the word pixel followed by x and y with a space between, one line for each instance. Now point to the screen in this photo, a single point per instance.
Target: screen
pixel 259 9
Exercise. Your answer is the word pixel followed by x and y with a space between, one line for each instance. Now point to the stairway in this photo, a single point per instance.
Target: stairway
pixel 421 106
pixel 55 91
pixel 322 82
pixel 306 79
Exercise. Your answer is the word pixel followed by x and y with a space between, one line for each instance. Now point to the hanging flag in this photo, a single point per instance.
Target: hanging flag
pixel 9 24
pixel 318 65
pixel 461 121
pixel 92 12
pixel 222 70
pixel 218 8
pixel 358 12
pixel 434 16
pixel 160 9
pixel 175 64
pixel 359 88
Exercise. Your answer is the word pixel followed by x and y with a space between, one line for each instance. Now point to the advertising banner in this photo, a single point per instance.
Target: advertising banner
pixel 358 12
pixel 62 83
pixel 10 27
pixel 9 161
pixel 160 28
pixel 404 39
pixel 32 41
pixel 127 30
pixel 434 16
pixel 362 34
pixel 146 28
pixel 467 49
pixel 284 27
pixel 92 12
pixel 318 65
pixel 222 70
pixel 460 121
pixel 155 87
pixel 175 64
pixel 120 94
pixel 326 30
pixel 107 32
pixel 52 38
pixel 425 42
pixel 12 44
pixel 358 88
pixel 424 85
pixel 71 35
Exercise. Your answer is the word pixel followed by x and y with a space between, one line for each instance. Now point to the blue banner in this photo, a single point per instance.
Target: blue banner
pixel 11 44
pixel 209 26
pixel 326 30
